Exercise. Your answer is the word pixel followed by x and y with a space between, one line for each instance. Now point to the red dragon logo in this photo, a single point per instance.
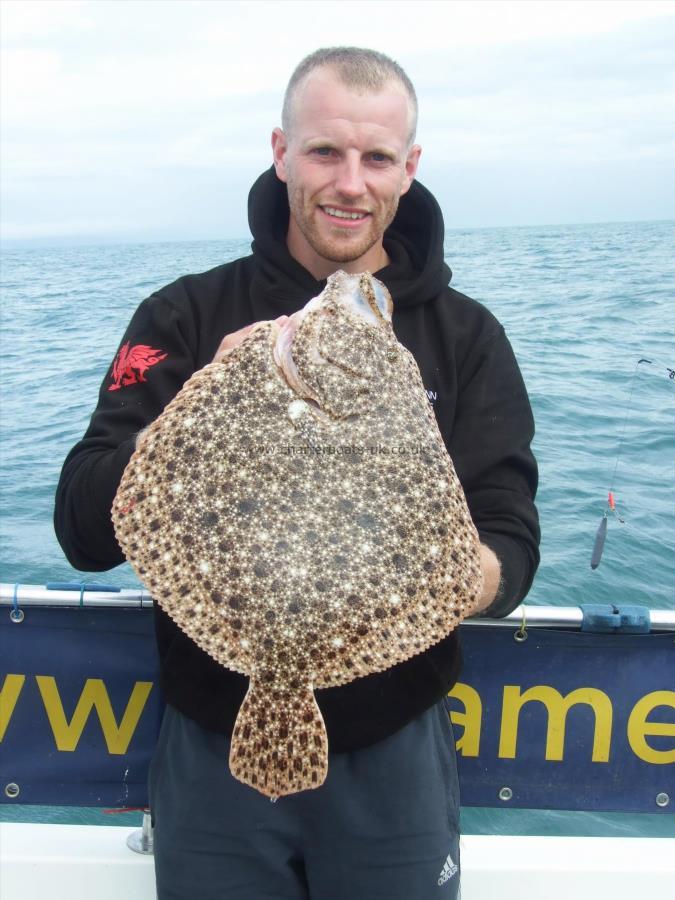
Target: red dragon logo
pixel 131 364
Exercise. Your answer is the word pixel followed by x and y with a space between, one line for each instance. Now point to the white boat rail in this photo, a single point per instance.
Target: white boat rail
pixel 88 862
pixel 91 595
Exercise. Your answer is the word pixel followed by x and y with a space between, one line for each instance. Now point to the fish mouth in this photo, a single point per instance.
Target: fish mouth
pixel 284 358
pixel 360 296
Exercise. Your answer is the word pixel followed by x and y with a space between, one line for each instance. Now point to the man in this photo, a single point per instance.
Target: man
pixel 342 195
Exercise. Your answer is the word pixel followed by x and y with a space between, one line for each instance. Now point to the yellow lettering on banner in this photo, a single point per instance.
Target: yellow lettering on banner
pixel 557 708
pixel 11 688
pixel 470 720
pixel 94 694
pixel 639 727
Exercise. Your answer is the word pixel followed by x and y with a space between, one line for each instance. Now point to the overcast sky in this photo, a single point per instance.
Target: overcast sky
pixel 128 120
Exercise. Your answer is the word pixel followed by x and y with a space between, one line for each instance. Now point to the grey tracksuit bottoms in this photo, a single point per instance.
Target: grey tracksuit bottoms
pixel 383 826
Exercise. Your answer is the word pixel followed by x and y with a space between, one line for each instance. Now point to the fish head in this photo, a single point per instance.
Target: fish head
pixel 334 350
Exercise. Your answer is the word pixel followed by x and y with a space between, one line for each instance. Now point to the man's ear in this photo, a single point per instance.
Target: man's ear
pixel 279 149
pixel 411 163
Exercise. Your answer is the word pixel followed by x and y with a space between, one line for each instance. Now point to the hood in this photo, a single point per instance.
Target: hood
pixel 413 241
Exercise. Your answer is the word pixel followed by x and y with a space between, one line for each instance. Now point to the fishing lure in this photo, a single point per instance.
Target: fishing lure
pixel 601 533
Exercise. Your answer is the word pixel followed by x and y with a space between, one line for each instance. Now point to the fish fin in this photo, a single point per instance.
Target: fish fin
pixel 279 743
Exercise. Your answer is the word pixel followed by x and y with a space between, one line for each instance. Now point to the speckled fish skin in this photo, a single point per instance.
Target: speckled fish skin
pixel 295 511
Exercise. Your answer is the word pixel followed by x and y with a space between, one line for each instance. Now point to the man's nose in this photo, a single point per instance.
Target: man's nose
pixel 350 180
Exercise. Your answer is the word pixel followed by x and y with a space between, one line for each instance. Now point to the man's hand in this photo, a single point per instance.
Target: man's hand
pixel 230 341
pixel 491 575
pixel 139 437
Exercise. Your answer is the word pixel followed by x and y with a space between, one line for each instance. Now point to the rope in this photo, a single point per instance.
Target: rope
pixel 522 635
pixel 16 614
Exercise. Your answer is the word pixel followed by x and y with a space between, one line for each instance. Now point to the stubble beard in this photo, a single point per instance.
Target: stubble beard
pixel 347 249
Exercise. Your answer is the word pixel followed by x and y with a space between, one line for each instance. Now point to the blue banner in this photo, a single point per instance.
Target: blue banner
pixel 562 720
pixel 566 720
pixel 81 706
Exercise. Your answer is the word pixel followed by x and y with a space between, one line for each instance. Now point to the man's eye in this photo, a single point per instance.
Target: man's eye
pixel 323 151
pixel 379 157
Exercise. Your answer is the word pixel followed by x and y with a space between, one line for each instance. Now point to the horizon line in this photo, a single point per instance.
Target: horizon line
pixel 81 240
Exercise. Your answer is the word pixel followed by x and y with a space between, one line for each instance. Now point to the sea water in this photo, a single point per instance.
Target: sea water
pixel 581 304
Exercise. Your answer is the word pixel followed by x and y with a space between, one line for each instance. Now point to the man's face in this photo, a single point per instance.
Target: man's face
pixel 346 163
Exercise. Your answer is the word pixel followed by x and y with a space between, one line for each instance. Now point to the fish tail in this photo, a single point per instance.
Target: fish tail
pixel 279 743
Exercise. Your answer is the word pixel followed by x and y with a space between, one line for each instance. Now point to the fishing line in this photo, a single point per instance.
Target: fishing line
pixel 601 533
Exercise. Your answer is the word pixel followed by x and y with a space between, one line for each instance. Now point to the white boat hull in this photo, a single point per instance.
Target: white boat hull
pixel 87 862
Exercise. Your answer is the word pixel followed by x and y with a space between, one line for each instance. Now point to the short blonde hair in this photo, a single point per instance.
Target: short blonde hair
pixel 355 67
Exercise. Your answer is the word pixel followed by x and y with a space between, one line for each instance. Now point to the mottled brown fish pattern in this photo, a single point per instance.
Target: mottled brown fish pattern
pixel 296 513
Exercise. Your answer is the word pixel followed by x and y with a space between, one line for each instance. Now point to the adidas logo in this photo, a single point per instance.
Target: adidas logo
pixel 449 869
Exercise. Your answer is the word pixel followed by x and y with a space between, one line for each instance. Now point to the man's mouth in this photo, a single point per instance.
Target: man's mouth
pixel 347 214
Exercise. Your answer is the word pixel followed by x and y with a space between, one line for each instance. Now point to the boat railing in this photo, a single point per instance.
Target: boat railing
pixel 93 595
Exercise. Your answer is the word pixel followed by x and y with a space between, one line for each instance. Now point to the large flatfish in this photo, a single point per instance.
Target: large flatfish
pixel 295 511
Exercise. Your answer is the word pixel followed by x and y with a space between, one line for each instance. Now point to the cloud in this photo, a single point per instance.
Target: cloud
pixel 104 100
pixel 600 98
pixel 44 20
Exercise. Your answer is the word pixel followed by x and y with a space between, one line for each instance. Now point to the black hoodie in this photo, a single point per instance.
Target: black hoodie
pixel 467 367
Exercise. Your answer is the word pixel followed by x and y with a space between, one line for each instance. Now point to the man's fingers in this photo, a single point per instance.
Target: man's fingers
pixel 230 341
pixel 139 437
